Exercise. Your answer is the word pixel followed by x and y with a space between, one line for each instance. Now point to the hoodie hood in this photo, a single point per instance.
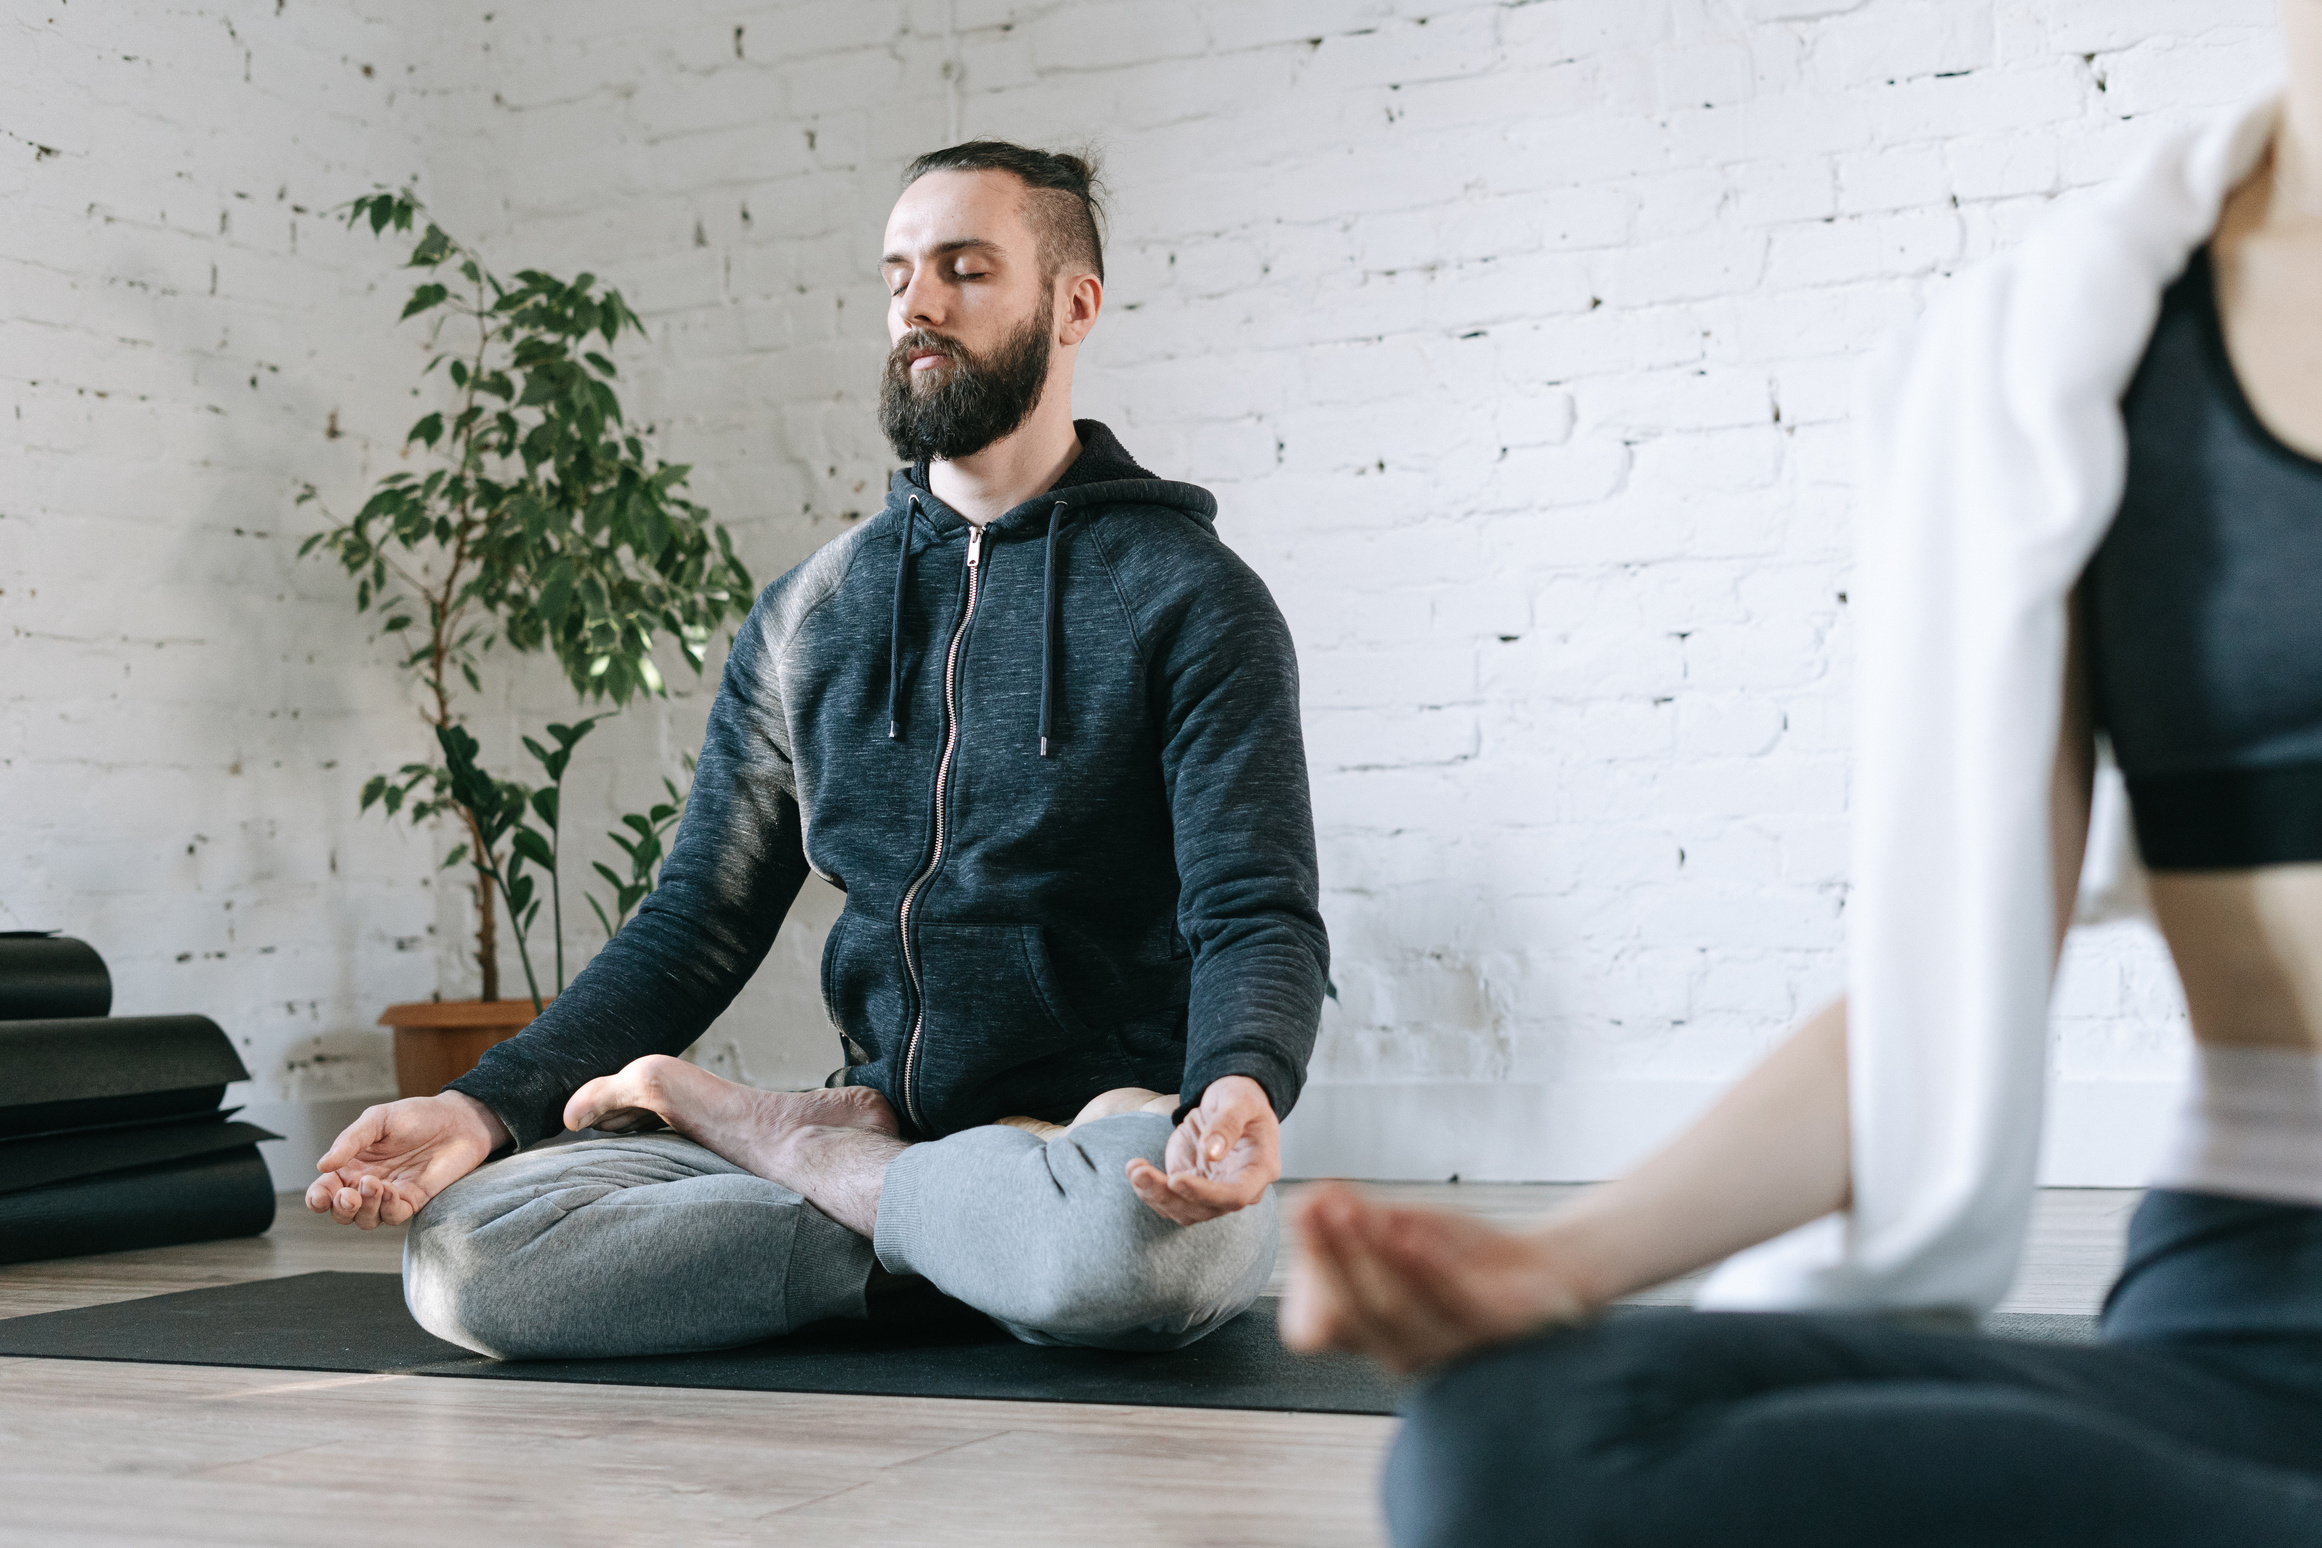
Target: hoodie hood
pixel 1104 474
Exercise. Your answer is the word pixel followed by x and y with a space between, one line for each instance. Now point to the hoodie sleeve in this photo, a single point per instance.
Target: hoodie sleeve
pixel 1233 761
pixel 731 876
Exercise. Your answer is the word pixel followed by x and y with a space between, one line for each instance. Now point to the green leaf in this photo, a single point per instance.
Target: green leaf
pixel 533 847
pixel 519 894
pixel 373 789
pixel 544 806
pixel 425 297
pixel 428 428
pixel 599 910
pixel 459 853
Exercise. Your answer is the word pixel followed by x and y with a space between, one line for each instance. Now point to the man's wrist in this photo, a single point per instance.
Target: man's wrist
pixel 1238 1087
pixel 487 1123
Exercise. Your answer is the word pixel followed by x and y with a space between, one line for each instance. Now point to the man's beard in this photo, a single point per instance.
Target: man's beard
pixel 974 400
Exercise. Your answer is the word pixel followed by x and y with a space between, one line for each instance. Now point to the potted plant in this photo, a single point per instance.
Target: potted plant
pixel 543 525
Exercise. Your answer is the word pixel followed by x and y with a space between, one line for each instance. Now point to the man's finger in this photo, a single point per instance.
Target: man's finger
pixel 1152 1186
pixel 1221 1194
pixel 1219 1133
pixel 367 1128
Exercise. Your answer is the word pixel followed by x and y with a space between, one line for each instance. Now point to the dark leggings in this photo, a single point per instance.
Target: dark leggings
pixel 2198 1420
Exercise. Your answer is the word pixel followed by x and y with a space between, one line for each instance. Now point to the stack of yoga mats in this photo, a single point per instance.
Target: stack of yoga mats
pixel 110 1131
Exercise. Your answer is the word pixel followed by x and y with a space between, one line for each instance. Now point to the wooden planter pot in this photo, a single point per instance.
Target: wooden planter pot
pixel 438 1041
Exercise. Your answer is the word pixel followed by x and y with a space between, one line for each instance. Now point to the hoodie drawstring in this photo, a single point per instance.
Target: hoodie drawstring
pixel 895 629
pixel 1049 629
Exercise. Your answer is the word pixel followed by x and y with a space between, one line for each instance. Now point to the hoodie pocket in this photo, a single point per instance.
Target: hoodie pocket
pixel 862 987
pixel 999 1038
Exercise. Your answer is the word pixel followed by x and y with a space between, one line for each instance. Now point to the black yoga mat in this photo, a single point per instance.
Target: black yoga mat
pixel 43 975
pixel 68 1074
pixel 37 1163
pixel 195 1199
pixel 915 1346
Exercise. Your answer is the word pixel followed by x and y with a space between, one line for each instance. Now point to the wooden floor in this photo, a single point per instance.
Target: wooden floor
pixel 94 1452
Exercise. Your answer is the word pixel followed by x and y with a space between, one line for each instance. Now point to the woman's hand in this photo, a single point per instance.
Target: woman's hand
pixel 1415 1287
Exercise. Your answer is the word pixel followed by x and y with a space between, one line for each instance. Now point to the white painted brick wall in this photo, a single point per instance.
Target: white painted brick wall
pixel 1515 339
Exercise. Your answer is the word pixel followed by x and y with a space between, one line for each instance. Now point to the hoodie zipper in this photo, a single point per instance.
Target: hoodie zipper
pixel 975 554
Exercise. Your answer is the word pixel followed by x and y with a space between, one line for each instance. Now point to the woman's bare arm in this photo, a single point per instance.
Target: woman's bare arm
pixel 1413 1286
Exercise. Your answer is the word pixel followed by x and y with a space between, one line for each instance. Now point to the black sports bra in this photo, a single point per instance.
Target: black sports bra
pixel 2205 610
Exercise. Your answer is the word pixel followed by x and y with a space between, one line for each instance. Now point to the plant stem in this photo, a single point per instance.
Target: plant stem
pixel 556 873
pixel 523 952
pixel 443 619
pixel 487 935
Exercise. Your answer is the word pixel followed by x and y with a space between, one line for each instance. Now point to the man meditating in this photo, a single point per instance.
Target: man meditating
pixel 1041 727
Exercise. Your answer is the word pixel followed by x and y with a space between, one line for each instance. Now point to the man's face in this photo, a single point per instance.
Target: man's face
pixel 971 315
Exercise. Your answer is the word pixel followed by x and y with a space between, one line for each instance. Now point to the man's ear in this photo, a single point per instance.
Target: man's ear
pixel 1079 297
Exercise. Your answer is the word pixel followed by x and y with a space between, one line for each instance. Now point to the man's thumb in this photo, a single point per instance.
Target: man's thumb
pixel 351 1140
pixel 1219 1133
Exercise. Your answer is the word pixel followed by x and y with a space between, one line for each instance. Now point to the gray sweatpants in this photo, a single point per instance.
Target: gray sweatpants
pixel 650 1244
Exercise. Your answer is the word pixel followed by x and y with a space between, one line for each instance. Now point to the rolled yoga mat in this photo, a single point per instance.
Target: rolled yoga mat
pixel 57 1158
pixel 44 976
pixel 77 1073
pixel 195 1199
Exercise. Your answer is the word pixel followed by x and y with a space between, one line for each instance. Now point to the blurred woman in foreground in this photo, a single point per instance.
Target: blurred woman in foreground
pixel 2093 501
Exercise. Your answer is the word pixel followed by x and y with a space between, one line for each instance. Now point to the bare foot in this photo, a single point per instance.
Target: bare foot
pixel 1127 1099
pixel 741 1123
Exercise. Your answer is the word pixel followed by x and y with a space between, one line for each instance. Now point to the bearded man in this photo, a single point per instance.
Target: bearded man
pixel 1041 727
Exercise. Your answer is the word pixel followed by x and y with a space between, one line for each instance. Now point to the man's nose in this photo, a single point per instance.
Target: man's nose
pixel 922 303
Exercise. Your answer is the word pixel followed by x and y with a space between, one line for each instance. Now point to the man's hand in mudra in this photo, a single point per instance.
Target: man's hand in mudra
pixel 1223 1157
pixel 398 1155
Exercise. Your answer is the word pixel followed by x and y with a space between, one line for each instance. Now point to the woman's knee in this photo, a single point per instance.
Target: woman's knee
pixel 1530 1443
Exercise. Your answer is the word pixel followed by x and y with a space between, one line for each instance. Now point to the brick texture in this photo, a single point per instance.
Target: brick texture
pixel 1515 340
